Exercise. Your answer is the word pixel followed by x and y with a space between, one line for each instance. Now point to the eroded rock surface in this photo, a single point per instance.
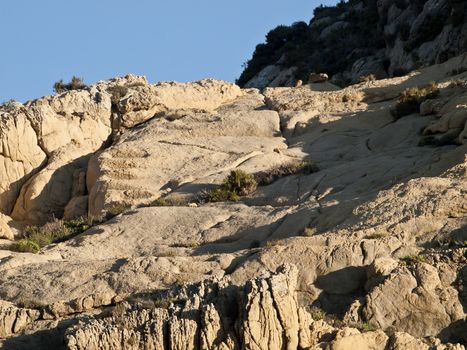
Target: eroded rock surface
pixel 373 233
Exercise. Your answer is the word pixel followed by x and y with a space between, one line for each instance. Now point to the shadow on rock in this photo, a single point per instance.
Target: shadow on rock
pixel 340 289
pixel 51 339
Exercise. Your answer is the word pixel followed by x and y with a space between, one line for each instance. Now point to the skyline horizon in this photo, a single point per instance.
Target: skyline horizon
pixel 39 55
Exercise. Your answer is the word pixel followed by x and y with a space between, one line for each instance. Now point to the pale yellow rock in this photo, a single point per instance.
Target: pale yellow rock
pixel 20 154
pixel 404 341
pixel 347 340
pixel 145 102
pixel 375 197
pixel 8 228
pixel 190 147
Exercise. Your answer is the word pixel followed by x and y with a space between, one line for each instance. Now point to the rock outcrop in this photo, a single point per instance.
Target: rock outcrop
pixel 354 238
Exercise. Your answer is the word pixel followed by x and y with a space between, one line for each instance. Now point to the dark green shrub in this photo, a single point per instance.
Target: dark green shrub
pixel 76 83
pixel 237 184
pixel 410 99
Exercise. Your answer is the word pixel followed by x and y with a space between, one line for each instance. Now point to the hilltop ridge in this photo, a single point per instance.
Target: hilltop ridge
pixel 357 38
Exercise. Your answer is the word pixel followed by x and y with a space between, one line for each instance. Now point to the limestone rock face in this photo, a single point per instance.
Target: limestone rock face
pixel 14 320
pixel 182 146
pixel 61 129
pixel 143 101
pixel 348 339
pixel 354 238
pixel 261 315
pixel 21 153
pixel 412 293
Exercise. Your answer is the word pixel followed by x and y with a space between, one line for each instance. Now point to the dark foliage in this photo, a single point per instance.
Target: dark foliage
pixel 76 83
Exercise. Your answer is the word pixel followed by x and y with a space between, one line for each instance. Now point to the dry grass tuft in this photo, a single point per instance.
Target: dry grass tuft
pixel 410 99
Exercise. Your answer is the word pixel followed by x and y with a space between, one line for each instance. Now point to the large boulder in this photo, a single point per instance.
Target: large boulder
pixel 408 294
pixel 140 101
pixel 182 146
pixel 21 153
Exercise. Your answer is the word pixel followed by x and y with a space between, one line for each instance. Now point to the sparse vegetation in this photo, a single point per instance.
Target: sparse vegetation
pixel 352 96
pixel 413 259
pixel 274 243
pixel 367 78
pixel 237 184
pixel 117 92
pixel 76 83
pixel 116 209
pixel 364 326
pixel 410 99
pixel 308 232
pixel 169 202
pixel 316 313
pixel 25 245
pixel 368 327
pixel 55 231
pixel 293 168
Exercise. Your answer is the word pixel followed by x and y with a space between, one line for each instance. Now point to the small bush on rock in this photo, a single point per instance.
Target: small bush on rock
pixel 413 259
pixel 55 231
pixel 368 327
pixel 25 245
pixel 117 92
pixel 316 313
pixel 237 184
pixel 169 202
pixel 308 232
pixel 293 168
pixel 76 83
pixel 116 209
pixel 410 99
pixel 367 78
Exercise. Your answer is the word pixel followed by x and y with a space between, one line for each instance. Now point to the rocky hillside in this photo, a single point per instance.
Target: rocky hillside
pixel 206 216
pixel 360 37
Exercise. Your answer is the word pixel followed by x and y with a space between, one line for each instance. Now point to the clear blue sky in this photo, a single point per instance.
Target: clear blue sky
pixel 184 40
